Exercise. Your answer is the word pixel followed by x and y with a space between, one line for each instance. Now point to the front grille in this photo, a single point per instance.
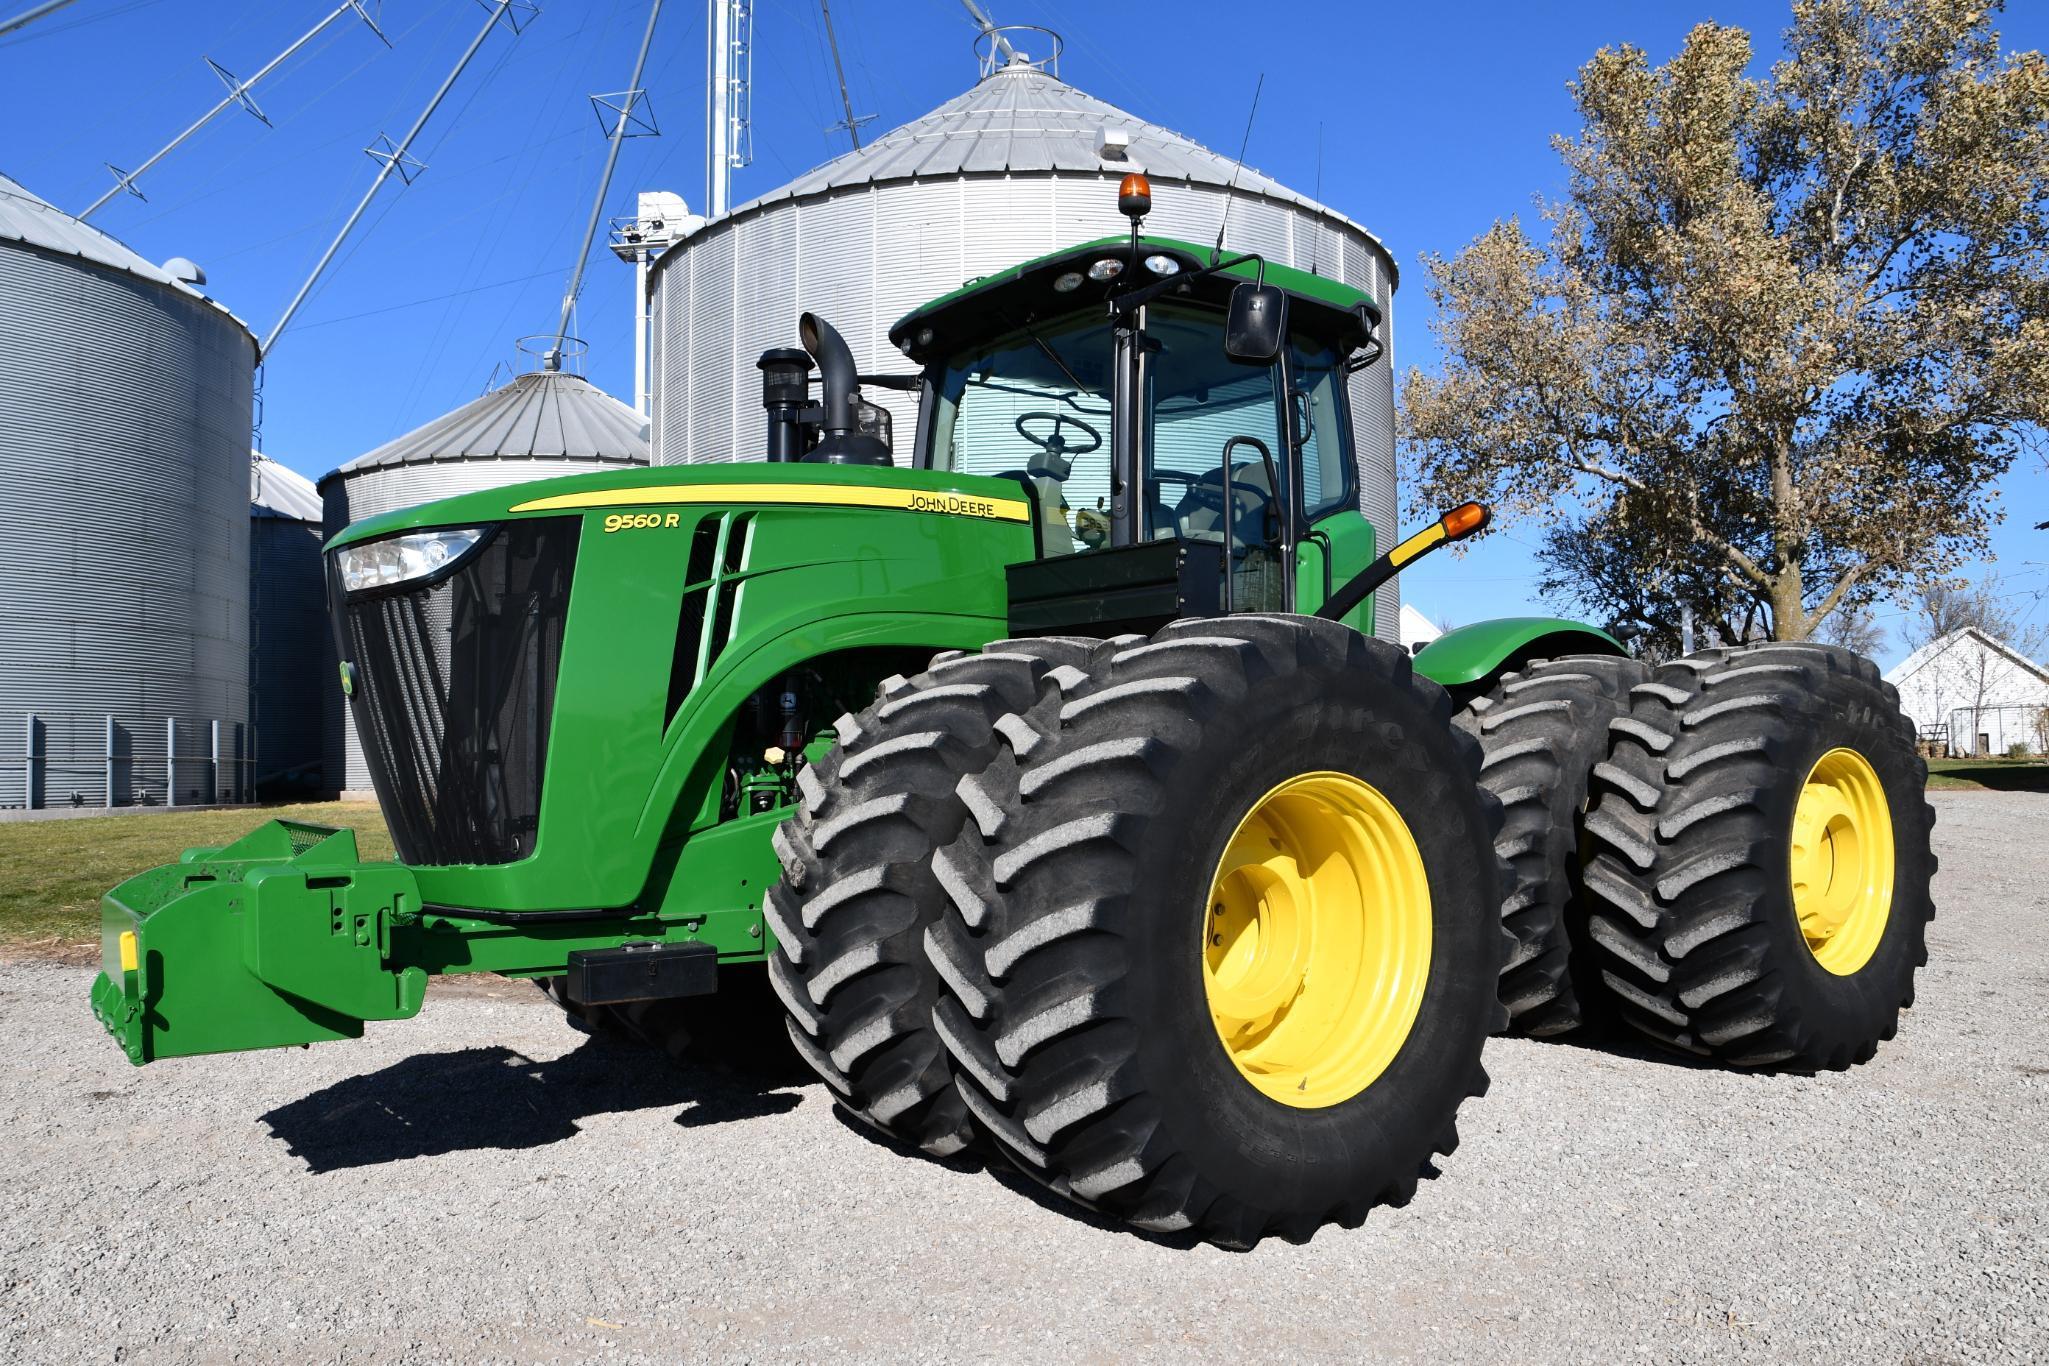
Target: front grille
pixel 454 687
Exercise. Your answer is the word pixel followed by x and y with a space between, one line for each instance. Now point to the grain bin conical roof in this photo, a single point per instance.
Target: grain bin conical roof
pixel 285 494
pixel 545 415
pixel 1022 120
pixel 29 219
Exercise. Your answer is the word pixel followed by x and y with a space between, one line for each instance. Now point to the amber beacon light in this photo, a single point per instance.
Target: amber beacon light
pixel 1135 196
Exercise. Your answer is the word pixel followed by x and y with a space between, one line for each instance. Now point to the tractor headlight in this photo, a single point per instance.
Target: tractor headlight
pixel 1162 265
pixel 1109 268
pixel 401 559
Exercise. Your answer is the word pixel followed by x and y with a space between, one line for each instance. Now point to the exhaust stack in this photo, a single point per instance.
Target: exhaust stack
pixel 841 440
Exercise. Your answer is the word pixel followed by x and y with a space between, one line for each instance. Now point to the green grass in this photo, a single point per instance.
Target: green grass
pixel 1988 775
pixel 53 872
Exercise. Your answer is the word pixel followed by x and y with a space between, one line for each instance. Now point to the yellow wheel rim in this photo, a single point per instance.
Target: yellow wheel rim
pixel 1842 864
pixel 1317 940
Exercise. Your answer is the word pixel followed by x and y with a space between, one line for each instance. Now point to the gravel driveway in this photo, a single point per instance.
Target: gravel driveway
pixel 483 1182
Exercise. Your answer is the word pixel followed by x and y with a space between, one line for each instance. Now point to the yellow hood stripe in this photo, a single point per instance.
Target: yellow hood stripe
pixel 811 495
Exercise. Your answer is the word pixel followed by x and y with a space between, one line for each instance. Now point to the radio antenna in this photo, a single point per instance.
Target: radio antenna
pixel 1316 241
pixel 1217 254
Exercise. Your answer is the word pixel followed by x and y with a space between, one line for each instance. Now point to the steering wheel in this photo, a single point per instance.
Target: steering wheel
pixel 1053 441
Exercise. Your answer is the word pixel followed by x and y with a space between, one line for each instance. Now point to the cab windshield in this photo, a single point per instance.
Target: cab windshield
pixel 1034 405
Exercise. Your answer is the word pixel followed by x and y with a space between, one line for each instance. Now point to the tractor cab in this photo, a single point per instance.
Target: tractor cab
pixel 1177 418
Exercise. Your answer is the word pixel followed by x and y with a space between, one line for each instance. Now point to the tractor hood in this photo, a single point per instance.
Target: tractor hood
pixel 547 700
pixel 681 487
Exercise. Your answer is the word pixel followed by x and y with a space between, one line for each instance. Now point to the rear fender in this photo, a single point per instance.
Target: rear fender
pixel 1469 659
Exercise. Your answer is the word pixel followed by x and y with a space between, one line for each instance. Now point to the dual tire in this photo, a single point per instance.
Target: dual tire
pixel 1729 853
pixel 1074 901
pixel 860 890
pixel 1760 883
pixel 1542 729
pixel 1206 929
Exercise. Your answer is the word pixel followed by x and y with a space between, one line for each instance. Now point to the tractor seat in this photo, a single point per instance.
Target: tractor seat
pixel 1199 516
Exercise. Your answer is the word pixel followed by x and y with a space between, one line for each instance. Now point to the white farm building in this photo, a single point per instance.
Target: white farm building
pixel 1973 694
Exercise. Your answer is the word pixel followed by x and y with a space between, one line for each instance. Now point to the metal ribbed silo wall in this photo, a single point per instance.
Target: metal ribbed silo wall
pixel 864 256
pixel 288 654
pixel 124 533
pixel 352 496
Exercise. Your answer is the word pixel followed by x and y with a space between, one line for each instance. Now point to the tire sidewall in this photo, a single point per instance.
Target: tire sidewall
pixel 1846 1009
pixel 1277 1156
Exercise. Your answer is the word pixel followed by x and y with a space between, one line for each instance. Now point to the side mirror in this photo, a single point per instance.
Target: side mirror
pixel 1258 321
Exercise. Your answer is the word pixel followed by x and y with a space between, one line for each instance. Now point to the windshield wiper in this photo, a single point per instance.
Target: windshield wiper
pixel 1053 356
pixel 1068 398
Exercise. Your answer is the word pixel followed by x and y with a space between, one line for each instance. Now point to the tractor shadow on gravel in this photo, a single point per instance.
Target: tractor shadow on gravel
pixel 493 1097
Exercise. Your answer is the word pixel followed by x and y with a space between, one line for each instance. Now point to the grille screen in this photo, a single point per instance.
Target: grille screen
pixel 454 690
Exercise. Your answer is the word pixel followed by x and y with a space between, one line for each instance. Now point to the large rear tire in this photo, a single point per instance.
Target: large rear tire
pixel 1222 937
pixel 857 892
pixel 1764 864
pixel 1542 729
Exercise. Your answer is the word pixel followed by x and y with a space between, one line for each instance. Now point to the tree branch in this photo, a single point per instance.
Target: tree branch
pixel 1835 213
pixel 1835 595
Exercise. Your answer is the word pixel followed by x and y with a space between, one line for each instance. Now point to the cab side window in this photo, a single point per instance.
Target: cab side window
pixel 1329 479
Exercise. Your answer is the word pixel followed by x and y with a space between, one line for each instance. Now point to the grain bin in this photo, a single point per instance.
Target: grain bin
pixel 124 527
pixel 287 629
pixel 1019 165
pixel 542 424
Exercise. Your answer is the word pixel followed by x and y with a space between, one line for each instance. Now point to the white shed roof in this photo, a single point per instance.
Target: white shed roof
pixel 1416 629
pixel 1920 659
pixel 1023 120
pixel 547 414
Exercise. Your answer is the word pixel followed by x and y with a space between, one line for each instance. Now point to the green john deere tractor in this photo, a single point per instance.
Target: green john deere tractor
pixel 1051 792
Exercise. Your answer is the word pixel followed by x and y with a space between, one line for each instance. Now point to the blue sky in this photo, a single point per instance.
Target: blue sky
pixel 1435 121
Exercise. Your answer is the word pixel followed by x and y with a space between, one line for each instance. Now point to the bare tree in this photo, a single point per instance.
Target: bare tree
pixel 1854 628
pixel 1944 605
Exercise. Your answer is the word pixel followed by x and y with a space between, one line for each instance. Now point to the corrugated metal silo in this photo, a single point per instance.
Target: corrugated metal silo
pixel 1019 165
pixel 124 532
pixel 542 424
pixel 287 628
